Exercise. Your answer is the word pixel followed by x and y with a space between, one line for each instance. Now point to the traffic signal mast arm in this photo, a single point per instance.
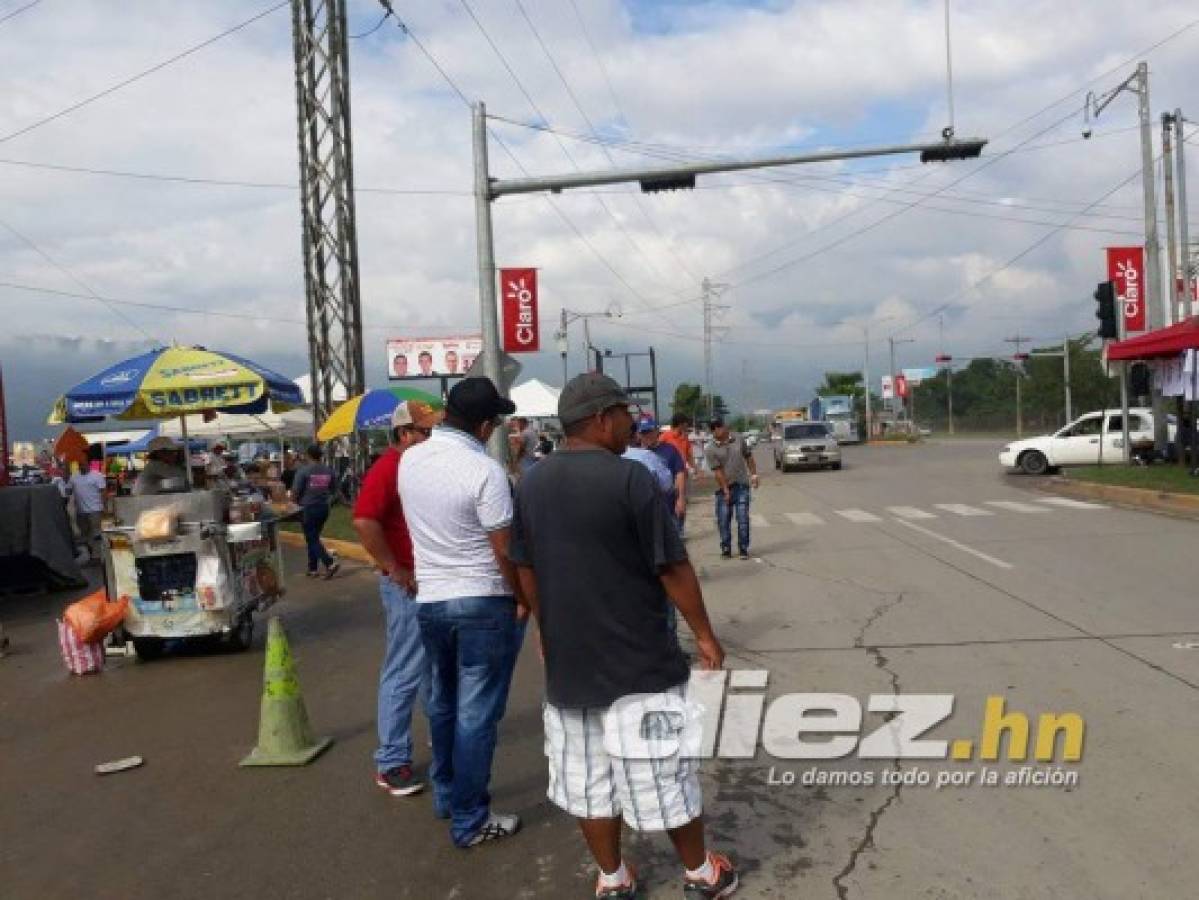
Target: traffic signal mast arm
pixel 682 177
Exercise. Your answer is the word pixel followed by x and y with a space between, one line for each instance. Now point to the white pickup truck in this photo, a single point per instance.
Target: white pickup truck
pixel 1087 441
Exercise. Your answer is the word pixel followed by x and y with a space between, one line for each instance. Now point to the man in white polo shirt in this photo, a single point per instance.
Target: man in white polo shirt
pixel 458 505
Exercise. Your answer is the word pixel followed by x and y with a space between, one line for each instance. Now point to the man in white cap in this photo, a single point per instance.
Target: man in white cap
pixel 379 521
pixel 162 474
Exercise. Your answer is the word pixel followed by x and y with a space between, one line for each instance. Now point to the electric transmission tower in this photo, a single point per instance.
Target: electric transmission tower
pixel 330 242
pixel 712 290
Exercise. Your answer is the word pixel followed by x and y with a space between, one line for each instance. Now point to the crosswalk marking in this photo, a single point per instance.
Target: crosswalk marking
pixel 804 518
pixel 963 509
pixel 1071 504
pixel 1017 506
pixel 757 520
pixel 859 515
pixel 910 512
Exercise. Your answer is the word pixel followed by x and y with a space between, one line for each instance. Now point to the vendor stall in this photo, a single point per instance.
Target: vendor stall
pixel 1172 354
pixel 193 563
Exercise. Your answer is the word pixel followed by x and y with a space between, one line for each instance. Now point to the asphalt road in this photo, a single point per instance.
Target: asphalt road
pixel 917 570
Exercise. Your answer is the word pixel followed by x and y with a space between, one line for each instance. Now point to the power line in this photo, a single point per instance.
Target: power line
pixel 17 12
pixel 112 89
pixel 561 144
pixel 75 278
pixel 592 129
pixel 378 25
pixel 215 182
pixel 1011 262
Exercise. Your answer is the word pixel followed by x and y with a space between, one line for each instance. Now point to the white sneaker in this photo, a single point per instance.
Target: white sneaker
pixel 497 826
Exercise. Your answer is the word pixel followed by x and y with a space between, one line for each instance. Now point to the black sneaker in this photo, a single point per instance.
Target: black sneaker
pixel 399 782
pixel 745 554
pixel 497 826
pixel 626 891
pixel 726 554
pixel 724 882
pixel 332 569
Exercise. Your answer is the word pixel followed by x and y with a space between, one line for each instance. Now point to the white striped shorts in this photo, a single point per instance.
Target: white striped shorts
pixel 651 794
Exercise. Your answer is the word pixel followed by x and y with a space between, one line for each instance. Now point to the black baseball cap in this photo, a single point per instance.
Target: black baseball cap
pixel 588 394
pixel 476 400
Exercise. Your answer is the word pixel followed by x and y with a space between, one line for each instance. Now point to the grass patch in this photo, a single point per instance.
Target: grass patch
pixel 340 526
pixel 1169 478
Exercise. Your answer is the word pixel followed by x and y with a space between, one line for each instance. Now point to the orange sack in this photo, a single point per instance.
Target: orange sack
pixel 93 617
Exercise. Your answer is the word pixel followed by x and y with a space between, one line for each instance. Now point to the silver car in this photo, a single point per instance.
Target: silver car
pixel 807 445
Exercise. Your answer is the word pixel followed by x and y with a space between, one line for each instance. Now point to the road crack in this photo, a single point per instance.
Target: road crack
pixel 866 842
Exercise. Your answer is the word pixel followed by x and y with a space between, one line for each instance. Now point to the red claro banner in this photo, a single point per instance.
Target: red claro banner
pixel 518 287
pixel 1126 267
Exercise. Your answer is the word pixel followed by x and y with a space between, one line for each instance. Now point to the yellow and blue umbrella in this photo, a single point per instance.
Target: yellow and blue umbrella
pixel 371 410
pixel 175 381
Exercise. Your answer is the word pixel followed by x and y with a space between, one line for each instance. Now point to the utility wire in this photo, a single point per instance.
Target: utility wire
pixel 561 144
pixel 640 203
pixel 378 25
pixel 75 278
pixel 17 12
pixel 112 89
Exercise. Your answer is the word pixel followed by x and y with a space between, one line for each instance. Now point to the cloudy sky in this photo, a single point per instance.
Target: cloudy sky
pixel 959 256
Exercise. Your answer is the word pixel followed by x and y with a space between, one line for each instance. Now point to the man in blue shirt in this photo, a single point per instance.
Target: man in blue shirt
pixel 676 497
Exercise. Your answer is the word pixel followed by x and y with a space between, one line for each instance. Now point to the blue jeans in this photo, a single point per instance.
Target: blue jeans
pixel 312 521
pixel 472 644
pixel 739 497
pixel 403 678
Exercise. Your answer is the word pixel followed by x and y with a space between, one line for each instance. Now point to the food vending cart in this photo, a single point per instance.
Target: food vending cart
pixel 199 562
pixel 193 565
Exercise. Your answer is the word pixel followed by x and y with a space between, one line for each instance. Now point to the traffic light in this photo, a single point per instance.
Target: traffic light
pixel 953 149
pixel 1105 312
pixel 668 183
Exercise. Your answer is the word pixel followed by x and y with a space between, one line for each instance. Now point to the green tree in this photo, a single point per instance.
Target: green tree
pixel 691 400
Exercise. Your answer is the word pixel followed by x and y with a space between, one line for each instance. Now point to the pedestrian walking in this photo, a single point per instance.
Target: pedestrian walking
pixel 458 506
pixel 87 490
pixel 404 675
pixel 600 562
pixel 732 462
pixel 314 489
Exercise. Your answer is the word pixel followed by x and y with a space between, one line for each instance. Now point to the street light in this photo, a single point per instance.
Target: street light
pixel 568 316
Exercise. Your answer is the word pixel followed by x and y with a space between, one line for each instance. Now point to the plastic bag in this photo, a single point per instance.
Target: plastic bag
pixel 79 657
pixel 211 584
pixel 93 617
pixel 158 524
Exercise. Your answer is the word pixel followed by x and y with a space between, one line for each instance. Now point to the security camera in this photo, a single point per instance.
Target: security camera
pixel 1086 133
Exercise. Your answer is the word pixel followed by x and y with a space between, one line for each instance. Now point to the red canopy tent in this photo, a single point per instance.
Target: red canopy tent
pixel 1169 341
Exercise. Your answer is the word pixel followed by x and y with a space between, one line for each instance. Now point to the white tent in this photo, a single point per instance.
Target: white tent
pixel 535 399
pixel 305 383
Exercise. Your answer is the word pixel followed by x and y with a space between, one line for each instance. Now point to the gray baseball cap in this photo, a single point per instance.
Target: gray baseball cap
pixel 588 394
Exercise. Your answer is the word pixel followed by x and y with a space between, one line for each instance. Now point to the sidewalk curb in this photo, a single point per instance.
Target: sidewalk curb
pixel 345 549
pixel 1184 505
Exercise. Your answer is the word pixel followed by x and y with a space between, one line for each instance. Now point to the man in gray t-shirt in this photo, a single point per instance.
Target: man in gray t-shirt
pixel 600 561
pixel 732 462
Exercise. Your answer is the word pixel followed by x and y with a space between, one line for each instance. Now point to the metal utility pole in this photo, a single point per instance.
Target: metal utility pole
pixel 563 334
pixel 948 360
pixel 1138 83
pixel 711 290
pixel 1184 229
pixel 866 379
pixel 1153 281
pixel 1018 357
pixel 330 243
pixel 1064 353
pixel 1171 238
pixel 485 249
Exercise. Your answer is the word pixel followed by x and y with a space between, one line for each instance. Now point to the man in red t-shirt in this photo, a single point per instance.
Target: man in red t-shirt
pixel 379 521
